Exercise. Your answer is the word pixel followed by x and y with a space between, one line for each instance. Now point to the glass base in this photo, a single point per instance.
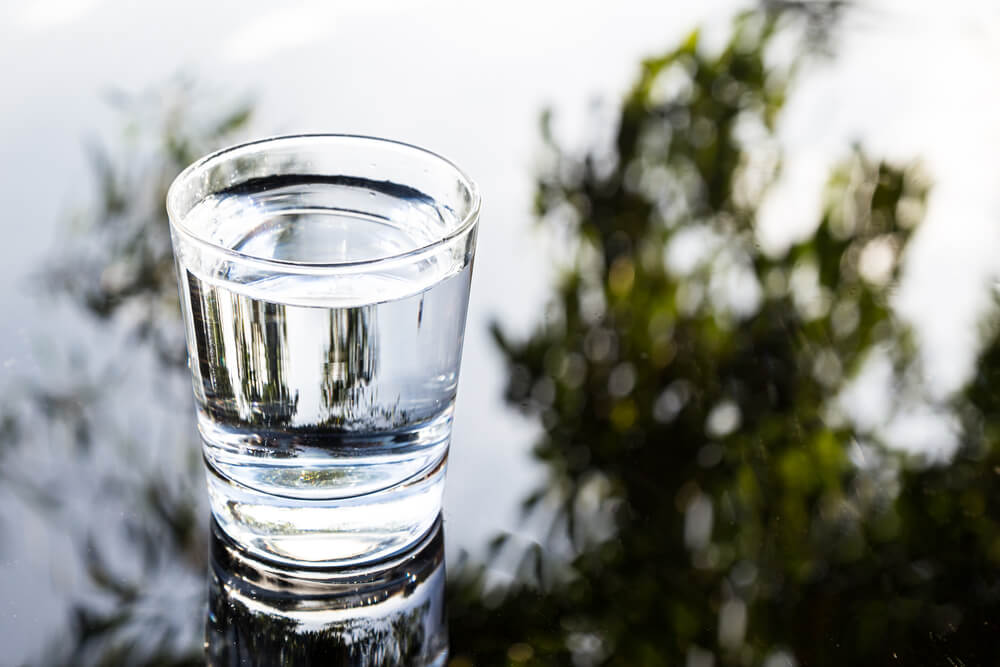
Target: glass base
pixel 336 532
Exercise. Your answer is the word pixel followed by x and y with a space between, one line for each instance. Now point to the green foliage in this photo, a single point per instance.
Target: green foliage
pixel 699 465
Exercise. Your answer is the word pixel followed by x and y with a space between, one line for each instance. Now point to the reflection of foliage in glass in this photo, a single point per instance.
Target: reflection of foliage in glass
pixel 212 386
pixel 261 337
pixel 707 507
pixel 350 364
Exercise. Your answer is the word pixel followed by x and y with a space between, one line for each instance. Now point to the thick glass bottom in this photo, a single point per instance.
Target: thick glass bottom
pixel 336 532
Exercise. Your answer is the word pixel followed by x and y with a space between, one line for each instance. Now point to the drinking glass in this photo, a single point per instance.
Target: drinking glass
pixel 324 282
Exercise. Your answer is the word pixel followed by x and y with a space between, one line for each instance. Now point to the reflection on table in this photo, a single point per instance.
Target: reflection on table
pixel 389 613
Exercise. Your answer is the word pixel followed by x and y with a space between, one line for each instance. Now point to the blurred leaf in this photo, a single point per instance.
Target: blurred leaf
pixel 703 396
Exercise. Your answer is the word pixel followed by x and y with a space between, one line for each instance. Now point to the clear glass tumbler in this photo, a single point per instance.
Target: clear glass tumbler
pixel 324 281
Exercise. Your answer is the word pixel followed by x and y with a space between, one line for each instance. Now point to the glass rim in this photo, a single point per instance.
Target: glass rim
pixel 467 222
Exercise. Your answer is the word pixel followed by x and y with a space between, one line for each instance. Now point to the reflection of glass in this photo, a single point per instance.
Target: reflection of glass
pixel 390 614
pixel 325 281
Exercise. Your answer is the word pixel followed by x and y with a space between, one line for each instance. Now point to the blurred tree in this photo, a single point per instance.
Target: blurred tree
pixel 709 501
pixel 120 259
pixel 139 562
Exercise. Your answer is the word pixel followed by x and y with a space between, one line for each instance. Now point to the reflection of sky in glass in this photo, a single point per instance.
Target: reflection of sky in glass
pixel 472 90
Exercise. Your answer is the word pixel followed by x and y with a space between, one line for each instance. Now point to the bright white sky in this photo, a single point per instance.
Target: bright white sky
pixel 912 80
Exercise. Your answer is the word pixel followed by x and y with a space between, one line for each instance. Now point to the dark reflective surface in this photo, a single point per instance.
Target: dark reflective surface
pixel 391 613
